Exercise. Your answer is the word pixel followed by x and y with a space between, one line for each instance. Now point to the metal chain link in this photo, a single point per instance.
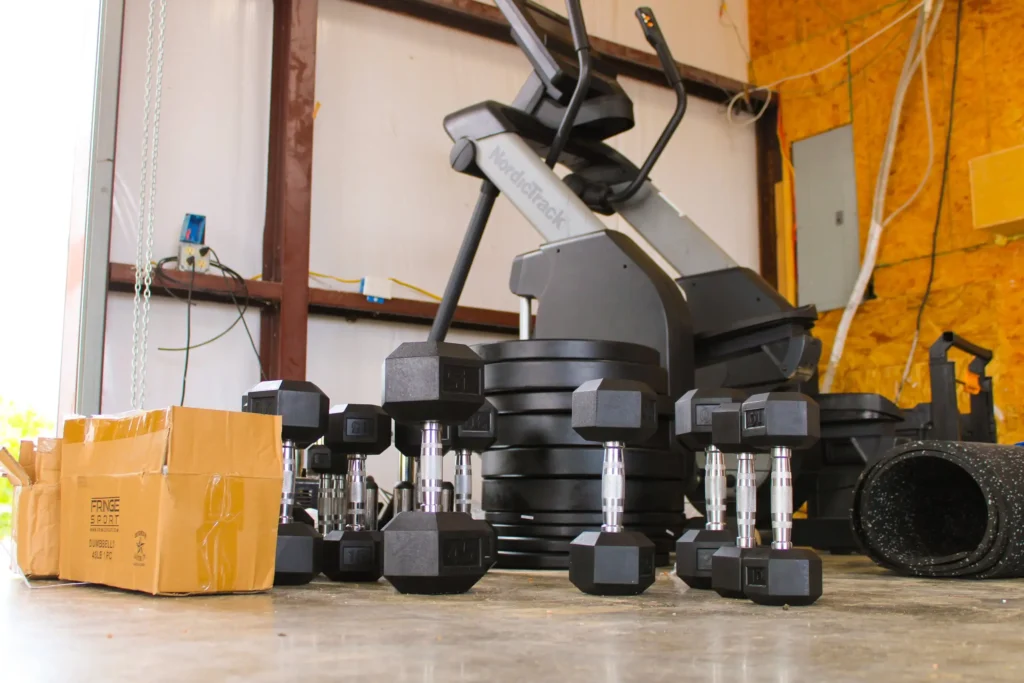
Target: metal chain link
pixel 140 263
pixel 154 156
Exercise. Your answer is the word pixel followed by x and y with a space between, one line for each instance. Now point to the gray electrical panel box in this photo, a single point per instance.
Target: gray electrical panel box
pixel 827 232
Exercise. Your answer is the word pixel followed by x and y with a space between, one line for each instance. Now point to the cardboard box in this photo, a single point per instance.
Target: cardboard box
pixel 175 501
pixel 35 529
pixel 997 191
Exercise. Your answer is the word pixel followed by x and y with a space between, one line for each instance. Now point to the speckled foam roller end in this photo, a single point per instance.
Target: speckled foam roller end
pixel 944 509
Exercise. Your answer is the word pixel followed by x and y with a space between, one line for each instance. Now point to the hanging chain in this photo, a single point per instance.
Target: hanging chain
pixel 154 156
pixel 140 259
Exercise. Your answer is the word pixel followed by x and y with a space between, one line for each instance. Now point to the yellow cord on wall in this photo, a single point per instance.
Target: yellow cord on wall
pixel 349 281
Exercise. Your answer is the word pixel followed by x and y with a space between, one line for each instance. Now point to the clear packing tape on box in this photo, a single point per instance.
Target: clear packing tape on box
pixel 174 501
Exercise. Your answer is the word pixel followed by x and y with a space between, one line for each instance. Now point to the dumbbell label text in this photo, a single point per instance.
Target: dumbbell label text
pixel 456 379
pixel 461 552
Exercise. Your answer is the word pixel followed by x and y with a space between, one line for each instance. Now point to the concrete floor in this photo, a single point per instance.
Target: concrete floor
pixel 523 627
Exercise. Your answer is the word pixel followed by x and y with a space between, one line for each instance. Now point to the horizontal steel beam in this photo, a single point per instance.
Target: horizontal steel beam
pixel 329 302
pixel 486 20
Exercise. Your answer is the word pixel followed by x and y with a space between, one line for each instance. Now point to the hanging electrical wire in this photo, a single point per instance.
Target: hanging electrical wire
pixel 920 40
pixel 768 87
pixel 938 210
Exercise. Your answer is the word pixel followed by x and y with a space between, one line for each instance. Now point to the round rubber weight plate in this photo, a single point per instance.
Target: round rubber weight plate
pixel 561 545
pixel 566 349
pixel 579 462
pixel 556 430
pixel 513 560
pixel 563 531
pixel 554 402
pixel 577 495
pixel 543 375
pixel 670 519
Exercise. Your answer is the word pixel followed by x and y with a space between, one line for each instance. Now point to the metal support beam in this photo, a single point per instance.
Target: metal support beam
pixel 327 302
pixel 484 19
pixel 85 298
pixel 769 172
pixel 289 188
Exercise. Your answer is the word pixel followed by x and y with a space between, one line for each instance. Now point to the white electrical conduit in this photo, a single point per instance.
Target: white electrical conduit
pixel 913 61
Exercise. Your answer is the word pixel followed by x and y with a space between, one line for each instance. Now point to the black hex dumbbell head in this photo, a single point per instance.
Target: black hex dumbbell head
pixel 325 460
pixel 782 577
pixel 693 414
pixel 694 551
pixel 358 428
pixel 436 553
pixel 301 405
pixel 478 433
pixel 607 563
pixel 433 381
pixel 353 555
pixel 299 553
pixel 727 571
pixel 780 418
pixel 606 410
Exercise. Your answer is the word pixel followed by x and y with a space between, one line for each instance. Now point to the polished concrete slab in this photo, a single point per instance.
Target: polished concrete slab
pixel 518 626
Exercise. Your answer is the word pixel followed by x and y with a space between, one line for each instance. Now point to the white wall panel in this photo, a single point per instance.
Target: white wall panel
pixel 218 374
pixel 214 125
pixel 385 201
pixel 693 29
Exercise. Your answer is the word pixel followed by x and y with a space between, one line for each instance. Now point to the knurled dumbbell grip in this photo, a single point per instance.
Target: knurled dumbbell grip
pixel 613 486
pixel 782 498
pixel 355 514
pixel 431 473
pixel 290 458
pixel 746 501
pixel 714 488
pixel 463 481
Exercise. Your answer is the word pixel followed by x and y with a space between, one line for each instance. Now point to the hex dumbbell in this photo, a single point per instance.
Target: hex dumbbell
pixel 695 548
pixel 727 562
pixel 355 551
pixel 428 551
pixel 303 409
pixel 781 575
pixel 613 561
pixel 475 435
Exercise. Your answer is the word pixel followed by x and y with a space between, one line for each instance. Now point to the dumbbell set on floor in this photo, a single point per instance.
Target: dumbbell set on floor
pixel 434 392
pixel 722 421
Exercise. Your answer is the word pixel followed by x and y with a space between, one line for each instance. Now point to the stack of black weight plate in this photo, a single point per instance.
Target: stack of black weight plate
pixel 541 481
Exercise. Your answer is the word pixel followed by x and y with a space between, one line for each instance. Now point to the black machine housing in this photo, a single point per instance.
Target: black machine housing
pixel 725 328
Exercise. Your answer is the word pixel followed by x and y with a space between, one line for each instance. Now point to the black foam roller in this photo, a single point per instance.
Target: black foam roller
pixel 944 509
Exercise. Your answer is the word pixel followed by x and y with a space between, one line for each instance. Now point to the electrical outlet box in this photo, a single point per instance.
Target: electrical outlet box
pixel 186 250
pixel 376 289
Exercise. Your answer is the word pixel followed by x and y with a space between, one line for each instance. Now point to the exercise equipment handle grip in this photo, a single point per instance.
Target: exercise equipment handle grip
pixel 652 32
pixel 574 12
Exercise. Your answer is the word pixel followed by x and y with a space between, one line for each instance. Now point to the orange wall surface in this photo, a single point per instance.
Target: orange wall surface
pixel 977 289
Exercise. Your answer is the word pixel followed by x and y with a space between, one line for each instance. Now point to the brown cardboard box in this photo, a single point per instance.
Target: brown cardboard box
pixel 173 501
pixel 35 531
